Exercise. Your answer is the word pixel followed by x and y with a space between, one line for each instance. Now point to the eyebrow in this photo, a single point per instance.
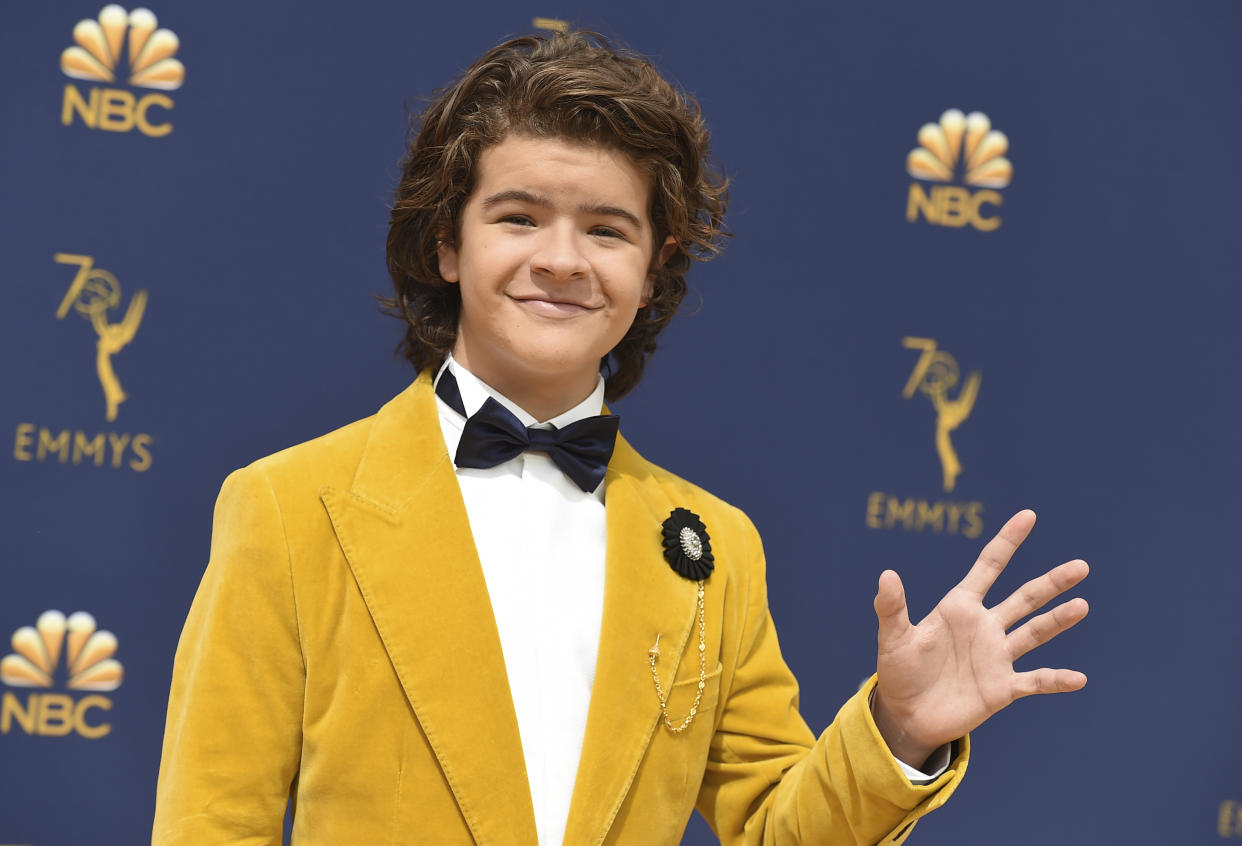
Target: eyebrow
pixel 537 200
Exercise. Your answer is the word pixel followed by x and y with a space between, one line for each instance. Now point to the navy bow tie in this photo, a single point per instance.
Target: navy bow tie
pixel 492 435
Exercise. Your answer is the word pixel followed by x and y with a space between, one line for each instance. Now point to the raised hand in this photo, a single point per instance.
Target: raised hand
pixel 945 676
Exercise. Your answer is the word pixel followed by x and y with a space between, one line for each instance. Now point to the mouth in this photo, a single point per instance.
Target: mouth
pixel 552 308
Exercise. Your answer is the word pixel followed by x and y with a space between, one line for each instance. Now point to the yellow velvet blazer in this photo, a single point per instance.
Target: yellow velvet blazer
pixel 341 651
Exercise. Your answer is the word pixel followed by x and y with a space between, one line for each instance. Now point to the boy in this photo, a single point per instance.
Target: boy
pixel 479 615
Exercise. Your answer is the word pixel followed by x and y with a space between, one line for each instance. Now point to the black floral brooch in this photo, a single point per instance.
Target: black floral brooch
pixel 687 547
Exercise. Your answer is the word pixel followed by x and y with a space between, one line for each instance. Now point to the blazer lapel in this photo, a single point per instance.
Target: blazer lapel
pixel 404 530
pixel 643 599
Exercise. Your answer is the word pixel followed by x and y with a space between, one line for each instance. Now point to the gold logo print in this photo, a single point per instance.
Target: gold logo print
pixel 88 653
pixel 97 52
pixel 1229 819
pixel 981 148
pixel 934 375
pixel 33 663
pixel 550 24
pixel 965 143
pixel 92 294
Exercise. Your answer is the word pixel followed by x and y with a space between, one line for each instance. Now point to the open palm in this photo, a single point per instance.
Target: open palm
pixel 942 678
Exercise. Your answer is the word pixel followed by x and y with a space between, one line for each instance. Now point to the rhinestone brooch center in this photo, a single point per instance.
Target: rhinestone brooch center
pixel 690 544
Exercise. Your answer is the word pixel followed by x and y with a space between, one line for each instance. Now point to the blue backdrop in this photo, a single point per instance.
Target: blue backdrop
pixel 190 254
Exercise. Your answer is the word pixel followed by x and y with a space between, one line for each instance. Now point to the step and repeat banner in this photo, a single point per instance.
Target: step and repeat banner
pixel 985 257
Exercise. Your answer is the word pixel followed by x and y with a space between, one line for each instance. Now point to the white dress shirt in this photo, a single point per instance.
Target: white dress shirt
pixel 541 544
pixel 540 540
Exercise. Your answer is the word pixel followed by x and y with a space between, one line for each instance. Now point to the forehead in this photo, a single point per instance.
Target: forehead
pixel 563 170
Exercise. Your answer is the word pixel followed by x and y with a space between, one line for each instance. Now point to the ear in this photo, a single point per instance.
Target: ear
pixel 446 257
pixel 667 250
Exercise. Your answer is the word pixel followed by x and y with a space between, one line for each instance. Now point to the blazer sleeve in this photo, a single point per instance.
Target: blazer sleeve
pixel 769 781
pixel 233 734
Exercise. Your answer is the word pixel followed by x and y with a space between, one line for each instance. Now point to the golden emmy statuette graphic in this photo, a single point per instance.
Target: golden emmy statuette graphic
pixel 93 293
pixel 935 374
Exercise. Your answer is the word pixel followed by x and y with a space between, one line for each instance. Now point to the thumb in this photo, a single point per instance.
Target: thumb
pixel 890 608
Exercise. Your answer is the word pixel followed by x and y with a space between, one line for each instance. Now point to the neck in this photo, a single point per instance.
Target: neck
pixel 544 408
pixel 541 397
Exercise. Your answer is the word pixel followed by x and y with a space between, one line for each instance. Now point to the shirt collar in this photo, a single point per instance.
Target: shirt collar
pixel 474 392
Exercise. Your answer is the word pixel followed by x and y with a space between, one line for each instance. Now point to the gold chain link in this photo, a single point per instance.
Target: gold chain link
pixel 654 652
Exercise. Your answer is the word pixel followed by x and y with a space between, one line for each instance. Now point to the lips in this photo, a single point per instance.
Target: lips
pixel 552 308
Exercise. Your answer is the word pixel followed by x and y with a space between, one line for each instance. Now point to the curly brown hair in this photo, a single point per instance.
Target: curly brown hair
pixel 576 86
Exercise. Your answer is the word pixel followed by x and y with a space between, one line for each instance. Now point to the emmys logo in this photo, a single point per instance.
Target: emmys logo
pixel 965 143
pixel 96 56
pixel 93 294
pixel 35 663
pixel 935 375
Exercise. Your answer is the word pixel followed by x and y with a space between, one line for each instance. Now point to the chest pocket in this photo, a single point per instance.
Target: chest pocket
pixel 683 754
pixel 681 697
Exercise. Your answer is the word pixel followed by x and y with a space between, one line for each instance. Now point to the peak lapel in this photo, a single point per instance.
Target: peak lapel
pixel 643 599
pixel 403 528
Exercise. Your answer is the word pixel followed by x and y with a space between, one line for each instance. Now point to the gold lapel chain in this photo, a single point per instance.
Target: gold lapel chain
pixel 654 652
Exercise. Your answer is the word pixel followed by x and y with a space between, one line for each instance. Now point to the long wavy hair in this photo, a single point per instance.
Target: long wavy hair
pixel 575 86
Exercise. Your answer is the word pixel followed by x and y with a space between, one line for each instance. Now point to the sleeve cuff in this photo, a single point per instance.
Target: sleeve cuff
pixel 936 764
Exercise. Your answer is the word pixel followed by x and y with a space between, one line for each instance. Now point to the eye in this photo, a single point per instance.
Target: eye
pixel 517 219
pixel 607 232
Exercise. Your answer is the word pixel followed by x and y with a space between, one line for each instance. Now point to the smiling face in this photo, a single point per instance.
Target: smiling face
pixel 554 257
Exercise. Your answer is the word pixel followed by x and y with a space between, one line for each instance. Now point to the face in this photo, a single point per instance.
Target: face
pixel 554 259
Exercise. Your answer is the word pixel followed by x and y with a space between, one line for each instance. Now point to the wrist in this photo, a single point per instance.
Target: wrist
pixel 901 744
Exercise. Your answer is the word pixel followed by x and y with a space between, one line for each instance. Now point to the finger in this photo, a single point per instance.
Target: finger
pixel 992 560
pixel 1035 594
pixel 890 609
pixel 1039 630
pixel 1045 680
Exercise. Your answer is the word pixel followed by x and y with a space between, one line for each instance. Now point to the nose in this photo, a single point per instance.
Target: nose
pixel 559 255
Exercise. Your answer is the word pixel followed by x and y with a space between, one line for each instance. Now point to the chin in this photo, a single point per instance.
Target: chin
pixel 553 365
pixel 560 369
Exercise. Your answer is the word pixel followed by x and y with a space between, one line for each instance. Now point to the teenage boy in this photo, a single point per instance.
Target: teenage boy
pixel 473 617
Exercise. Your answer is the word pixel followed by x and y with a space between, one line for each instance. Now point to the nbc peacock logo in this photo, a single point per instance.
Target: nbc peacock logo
pixel 100 47
pixel 958 146
pixel 35 663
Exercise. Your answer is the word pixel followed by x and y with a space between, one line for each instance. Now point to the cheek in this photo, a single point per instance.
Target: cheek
pixel 480 309
pixel 633 283
pixel 475 309
pixel 641 293
pixel 626 308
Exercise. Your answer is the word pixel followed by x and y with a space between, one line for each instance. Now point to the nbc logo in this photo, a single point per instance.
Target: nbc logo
pixel 96 56
pixel 34 663
pixel 965 143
